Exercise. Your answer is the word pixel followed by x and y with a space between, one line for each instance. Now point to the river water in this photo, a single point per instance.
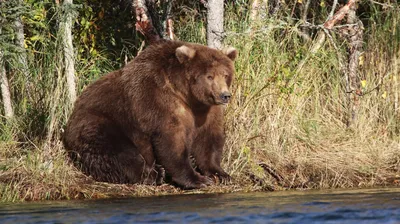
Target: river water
pixel 333 206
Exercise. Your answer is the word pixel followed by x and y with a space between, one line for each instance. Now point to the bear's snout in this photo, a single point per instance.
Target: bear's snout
pixel 225 96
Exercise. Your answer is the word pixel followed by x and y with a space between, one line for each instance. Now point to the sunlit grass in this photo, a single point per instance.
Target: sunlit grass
pixel 295 121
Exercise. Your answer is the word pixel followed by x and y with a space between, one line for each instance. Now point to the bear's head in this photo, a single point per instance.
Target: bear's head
pixel 209 71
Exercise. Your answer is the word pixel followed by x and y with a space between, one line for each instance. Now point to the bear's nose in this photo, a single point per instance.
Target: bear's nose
pixel 225 96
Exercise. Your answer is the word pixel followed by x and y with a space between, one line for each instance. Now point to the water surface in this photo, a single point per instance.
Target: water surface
pixel 334 206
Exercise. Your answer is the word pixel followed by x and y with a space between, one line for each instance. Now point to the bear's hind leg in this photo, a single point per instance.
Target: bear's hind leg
pixel 105 153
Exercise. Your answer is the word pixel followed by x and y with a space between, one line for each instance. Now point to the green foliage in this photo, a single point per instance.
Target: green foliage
pixel 106 28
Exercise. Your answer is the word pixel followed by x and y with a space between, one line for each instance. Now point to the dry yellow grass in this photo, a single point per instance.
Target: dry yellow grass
pixel 294 121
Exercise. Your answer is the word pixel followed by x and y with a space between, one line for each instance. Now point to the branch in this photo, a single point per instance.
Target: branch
pixel 305 12
pixel 204 2
pixel 170 29
pixel 339 15
pixel 169 23
pixel 144 24
pixel 321 36
pixel 271 171
pixel 382 4
pixel 335 2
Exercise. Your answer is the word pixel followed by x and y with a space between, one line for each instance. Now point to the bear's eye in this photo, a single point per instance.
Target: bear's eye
pixel 210 77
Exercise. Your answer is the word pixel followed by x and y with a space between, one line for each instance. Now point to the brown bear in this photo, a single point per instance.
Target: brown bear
pixel 162 108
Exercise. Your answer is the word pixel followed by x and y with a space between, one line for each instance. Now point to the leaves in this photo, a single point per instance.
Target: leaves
pixel 384 94
pixel 363 83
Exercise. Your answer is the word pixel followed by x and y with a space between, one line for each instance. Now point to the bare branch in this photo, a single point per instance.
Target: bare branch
pixel 204 2
pixel 382 4
pixel 321 36
pixel 271 171
pixel 170 29
pixel 144 24
pixel 335 2
pixel 339 15
pixel 305 10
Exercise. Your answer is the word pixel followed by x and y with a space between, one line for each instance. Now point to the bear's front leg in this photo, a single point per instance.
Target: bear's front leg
pixel 207 150
pixel 171 152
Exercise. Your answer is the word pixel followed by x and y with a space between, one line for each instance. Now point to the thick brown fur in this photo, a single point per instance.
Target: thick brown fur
pixel 161 108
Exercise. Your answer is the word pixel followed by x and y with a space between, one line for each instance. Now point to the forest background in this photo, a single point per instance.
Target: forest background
pixel 315 101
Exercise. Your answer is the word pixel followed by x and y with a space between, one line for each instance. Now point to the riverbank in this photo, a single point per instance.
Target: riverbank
pixel 32 175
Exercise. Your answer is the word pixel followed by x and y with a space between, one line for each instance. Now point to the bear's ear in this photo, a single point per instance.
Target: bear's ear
pixel 184 53
pixel 231 52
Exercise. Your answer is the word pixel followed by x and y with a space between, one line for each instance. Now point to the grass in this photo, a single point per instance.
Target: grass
pixel 295 121
pixel 33 175
pixel 286 127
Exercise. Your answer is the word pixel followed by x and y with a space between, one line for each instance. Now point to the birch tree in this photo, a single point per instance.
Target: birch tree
pixel 69 51
pixel 5 92
pixel 20 42
pixel 215 23
pixel 5 89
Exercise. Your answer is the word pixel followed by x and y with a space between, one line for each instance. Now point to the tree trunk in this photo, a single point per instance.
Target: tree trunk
pixel 5 89
pixel 355 47
pixel 215 23
pixel 20 42
pixel 5 92
pixel 396 76
pixel 69 52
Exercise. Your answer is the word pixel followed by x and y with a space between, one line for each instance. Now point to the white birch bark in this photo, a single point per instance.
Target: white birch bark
pixel 215 23
pixel 5 89
pixel 5 93
pixel 69 53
